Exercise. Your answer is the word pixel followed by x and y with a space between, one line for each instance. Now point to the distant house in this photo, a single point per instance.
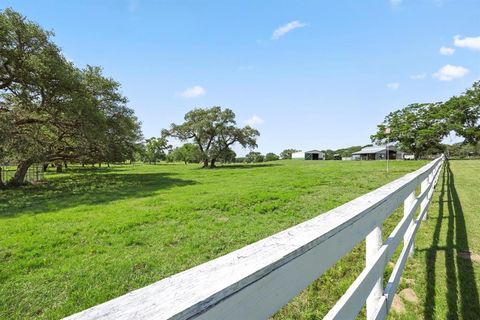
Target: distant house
pixel 377 153
pixel 308 155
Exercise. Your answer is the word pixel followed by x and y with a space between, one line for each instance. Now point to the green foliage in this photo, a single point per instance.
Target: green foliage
pixel 214 131
pixel 271 157
pixel 188 153
pixel 339 153
pixel 227 156
pixel 416 128
pixel 154 149
pixel 463 114
pixel 254 157
pixel 52 111
pixel 420 128
pixel 287 153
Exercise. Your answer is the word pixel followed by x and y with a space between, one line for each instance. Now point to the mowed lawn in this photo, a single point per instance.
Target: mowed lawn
pixel 446 264
pixel 89 235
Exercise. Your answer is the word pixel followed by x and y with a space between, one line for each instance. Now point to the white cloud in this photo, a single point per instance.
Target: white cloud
pixel 393 85
pixel 449 72
pixel 446 51
pixel 395 3
pixel 419 76
pixel 467 42
pixel 193 92
pixel 254 120
pixel 283 30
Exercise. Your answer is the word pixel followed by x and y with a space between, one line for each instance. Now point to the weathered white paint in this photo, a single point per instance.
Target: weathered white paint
pixel 374 242
pixel 257 280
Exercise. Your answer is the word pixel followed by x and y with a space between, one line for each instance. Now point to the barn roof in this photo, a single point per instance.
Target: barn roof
pixel 314 151
pixel 376 149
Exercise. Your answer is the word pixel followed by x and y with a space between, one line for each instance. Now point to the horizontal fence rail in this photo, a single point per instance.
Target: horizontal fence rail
pixel 257 280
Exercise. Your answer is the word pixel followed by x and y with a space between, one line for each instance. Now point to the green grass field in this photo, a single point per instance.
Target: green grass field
pixel 87 236
pixel 446 283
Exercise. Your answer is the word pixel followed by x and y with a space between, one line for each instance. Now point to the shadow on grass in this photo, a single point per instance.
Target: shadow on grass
pixel 89 187
pixel 243 166
pixel 460 273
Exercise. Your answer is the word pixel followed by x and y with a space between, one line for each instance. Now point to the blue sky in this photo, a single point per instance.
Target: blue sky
pixel 307 74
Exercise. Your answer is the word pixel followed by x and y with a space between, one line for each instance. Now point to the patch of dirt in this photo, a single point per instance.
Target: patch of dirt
pixel 467 255
pixel 409 295
pixel 397 305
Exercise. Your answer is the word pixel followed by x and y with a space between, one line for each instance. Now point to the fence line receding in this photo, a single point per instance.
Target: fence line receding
pixel 257 280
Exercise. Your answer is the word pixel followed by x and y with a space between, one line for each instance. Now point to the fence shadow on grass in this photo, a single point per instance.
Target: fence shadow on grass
pixel 89 187
pixel 461 286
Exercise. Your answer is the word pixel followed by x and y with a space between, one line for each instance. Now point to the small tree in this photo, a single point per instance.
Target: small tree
pixel 287 153
pixel 227 156
pixel 155 149
pixel 188 153
pixel 271 157
pixel 253 156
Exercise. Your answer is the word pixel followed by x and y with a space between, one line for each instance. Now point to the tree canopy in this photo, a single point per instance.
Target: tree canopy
pixel 214 131
pixel 421 127
pixel 287 153
pixel 50 110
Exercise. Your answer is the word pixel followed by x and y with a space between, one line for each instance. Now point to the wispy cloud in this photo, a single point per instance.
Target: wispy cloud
pixel 449 72
pixel 419 76
pixel 283 30
pixel 254 121
pixel 393 85
pixel 193 92
pixel 467 42
pixel 446 51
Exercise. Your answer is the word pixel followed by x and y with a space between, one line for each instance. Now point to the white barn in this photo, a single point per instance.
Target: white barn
pixel 308 155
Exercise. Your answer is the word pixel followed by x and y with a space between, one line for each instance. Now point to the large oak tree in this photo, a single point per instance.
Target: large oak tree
pixel 214 131
pixel 52 111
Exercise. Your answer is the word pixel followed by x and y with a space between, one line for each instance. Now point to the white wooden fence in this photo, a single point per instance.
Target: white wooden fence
pixel 257 280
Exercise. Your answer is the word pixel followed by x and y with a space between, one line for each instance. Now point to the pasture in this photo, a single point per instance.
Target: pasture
pixel 89 235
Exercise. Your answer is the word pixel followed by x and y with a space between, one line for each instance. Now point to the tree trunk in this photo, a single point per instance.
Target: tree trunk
pixel 212 163
pixel 416 155
pixel 45 167
pixel 59 167
pixel 19 177
pixel 83 165
pixel 108 164
pixel 205 163
pixel 65 164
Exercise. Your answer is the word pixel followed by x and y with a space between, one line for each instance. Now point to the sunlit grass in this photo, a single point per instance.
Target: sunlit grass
pixel 89 235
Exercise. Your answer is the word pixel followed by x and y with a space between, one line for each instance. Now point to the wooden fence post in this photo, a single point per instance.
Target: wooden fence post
pixel 407 207
pixel 374 242
pixel 424 204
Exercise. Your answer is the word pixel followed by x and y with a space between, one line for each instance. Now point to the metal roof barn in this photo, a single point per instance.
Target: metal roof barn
pixel 375 153
pixel 309 155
